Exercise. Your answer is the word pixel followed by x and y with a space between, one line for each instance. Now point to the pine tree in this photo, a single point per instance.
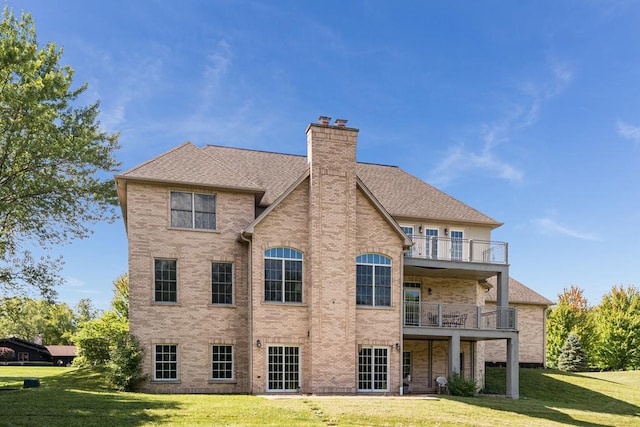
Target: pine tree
pixel 572 357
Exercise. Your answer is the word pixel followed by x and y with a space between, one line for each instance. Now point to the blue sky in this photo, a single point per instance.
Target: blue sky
pixel 528 111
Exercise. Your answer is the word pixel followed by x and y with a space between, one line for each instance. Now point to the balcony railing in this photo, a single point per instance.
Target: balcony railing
pixel 463 250
pixel 432 315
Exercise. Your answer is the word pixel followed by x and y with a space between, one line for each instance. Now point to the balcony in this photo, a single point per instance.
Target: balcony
pixel 431 315
pixel 459 250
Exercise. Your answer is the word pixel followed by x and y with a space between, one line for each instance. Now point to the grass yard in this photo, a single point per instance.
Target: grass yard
pixel 79 397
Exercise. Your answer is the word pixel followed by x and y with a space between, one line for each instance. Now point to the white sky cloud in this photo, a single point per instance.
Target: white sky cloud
pixel 549 225
pixel 521 114
pixel 629 131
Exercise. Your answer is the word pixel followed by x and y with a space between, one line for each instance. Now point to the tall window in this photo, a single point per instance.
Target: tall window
pixel 165 280
pixel 373 280
pixel 282 275
pixel 406 365
pixel 221 283
pixel 456 245
pixel 431 237
pixel 373 369
pixel 222 362
pixel 166 362
pixel 283 368
pixel 408 230
pixel 193 210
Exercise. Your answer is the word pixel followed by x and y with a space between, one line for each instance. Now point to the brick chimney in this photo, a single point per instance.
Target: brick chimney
pixel 332 239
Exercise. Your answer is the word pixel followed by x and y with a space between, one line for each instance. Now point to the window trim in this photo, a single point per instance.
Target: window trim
pixel 193 212
pixel 176 362
pixel 156 301
pixel 274 254
pixel 233 276
pixel 375 260
pixel 233 364
pixel 299 371
pixel 407 366
pixel 372 366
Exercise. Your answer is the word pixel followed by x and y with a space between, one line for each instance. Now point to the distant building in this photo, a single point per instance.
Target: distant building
pixel 532 323
pixel 26 351
pixel 62 355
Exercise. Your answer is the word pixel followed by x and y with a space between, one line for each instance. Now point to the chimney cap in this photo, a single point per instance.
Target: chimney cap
pixel 341 122
pixel 324 120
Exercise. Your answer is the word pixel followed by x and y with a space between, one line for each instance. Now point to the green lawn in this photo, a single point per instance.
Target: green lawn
pixel 79 397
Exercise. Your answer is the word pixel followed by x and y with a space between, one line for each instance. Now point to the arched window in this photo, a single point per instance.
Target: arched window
pixel 373 280
pixel 282 275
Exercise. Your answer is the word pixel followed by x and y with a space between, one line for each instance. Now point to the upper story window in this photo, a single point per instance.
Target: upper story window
pixel 221 283
pixel 373 280
pixel 193 210
pixel 282 275
pixel 165 278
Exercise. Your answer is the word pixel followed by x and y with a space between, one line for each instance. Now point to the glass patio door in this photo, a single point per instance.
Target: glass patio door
pixel 456 245
pixel 412 304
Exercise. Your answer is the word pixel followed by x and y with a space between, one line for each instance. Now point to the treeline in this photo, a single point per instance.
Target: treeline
pixel 604 337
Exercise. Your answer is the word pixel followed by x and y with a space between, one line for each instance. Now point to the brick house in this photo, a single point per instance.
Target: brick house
pixel 532 320
pixel 258 272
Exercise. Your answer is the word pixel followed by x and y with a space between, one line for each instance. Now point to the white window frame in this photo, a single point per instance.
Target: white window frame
pixel 233 364
pixel 373 264
pixel 373 366
pixel 427 242
pixel 283 258
pixel 284 363
pixel 176 362
pixel 412 251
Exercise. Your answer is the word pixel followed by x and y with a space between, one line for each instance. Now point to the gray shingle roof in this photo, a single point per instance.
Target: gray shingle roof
pixel 401 194
pixel 518 293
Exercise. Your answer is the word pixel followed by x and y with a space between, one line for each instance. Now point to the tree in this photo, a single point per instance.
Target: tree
pixel 618 327
pixel 572 357
pixel 52 156
pixel 25 318
pixel 97 339
pixel 120 301
pixel 571 314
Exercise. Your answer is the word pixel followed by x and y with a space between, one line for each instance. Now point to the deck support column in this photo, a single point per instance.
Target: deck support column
pixel 513 379
pixel 454 353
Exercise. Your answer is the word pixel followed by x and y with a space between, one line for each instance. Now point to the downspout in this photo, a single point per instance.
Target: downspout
pixel 250 308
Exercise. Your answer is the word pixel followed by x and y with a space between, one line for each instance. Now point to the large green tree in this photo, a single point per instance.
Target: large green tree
pixel 618 325
pixel 571 314
pixel 28 318
pixel 55 160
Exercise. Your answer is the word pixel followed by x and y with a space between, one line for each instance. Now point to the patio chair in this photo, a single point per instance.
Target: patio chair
pixel 441 385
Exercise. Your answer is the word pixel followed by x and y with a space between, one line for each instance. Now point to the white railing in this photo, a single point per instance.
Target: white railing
pixel 432 315
pixel 463 250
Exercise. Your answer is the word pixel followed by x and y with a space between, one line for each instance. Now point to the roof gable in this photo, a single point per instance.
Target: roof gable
pixel 518 293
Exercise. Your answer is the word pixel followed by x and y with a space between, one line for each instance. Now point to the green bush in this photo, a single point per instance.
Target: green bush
pixel 460 386
pixel 124 369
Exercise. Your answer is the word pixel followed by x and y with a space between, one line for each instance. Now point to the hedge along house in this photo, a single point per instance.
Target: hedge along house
pixel 254 272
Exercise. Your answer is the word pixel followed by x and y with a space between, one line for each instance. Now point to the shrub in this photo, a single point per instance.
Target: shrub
pixel 125 365
pixel 460 386
pixel 6 354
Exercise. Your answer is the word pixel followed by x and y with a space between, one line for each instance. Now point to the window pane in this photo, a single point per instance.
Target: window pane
pixel 205 211
pixel 181 210
pixel 272 280
pixel 364 285
pixel 383 286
